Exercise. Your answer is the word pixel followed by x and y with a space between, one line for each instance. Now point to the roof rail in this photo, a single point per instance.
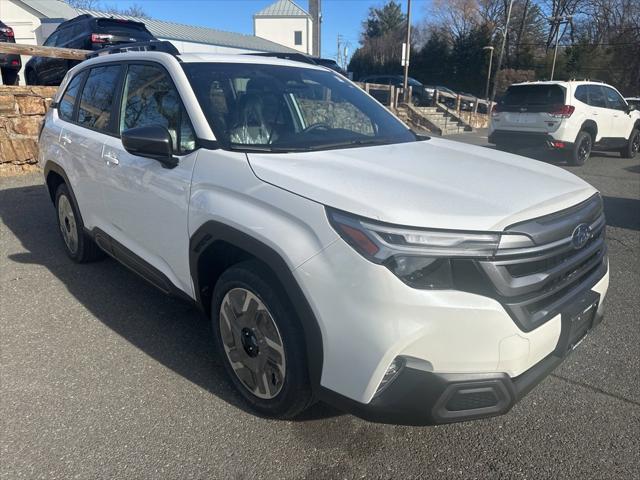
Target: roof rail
pixel 296 57
pixel 150 46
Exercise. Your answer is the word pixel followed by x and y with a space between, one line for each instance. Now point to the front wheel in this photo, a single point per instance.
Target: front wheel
pixel 260 340
pixel 633 145
pixel 581 150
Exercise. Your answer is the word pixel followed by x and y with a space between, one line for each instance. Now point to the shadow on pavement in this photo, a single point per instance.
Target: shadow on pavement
pixel 168 330
pixel 622 212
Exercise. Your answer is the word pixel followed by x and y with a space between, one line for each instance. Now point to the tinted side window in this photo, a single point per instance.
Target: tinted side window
pixel 68 102
pixel 97 97
pixel 596 96
pixel 582 94
pixel 51 41
pixel 150 98
pixel 64 36
pixel 614 100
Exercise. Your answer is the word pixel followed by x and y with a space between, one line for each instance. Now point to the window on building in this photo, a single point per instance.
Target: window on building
pixel 297 37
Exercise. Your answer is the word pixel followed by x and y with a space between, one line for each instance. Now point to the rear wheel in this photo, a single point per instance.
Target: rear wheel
pixel 260 340
pixel 581 149
pixel 633 146
pixel 78 245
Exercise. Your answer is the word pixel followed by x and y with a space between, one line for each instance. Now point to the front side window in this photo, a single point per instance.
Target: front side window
pixel 68 102
pixel 297 37
pixel 276 108
pixel 596 96
pixel 96 101
pixel 150 98
pixel 614 100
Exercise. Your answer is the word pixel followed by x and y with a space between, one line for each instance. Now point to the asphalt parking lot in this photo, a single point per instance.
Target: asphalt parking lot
pixel 101 376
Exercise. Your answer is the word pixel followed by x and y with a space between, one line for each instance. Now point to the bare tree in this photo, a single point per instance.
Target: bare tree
pixel 85 4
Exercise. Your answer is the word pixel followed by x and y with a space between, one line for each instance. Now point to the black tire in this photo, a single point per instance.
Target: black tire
pixel 83 249
pixel 581 150
pixel 32 78
pixel 633 145
pixel 294 395
pixel 10 76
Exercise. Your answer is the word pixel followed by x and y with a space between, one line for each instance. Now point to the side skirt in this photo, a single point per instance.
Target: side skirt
pixel 139 266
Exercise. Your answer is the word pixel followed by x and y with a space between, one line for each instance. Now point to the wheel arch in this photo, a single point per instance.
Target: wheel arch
pixel 591 127
pixel 54 176
pixel 215 246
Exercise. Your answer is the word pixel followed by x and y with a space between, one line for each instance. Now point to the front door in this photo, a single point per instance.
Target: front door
pixel 147 204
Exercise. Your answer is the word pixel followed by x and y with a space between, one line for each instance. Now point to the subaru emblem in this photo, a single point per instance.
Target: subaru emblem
pixel 581 236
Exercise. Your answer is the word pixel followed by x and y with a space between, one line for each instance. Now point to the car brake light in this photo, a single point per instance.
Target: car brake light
pixel 100 38
pixel 8 31
pixel 562 111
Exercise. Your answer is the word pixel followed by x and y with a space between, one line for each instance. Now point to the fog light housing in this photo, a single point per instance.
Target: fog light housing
pixel 391 374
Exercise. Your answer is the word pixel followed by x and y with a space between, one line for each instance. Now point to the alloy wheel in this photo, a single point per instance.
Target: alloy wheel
pixel 67 222
pixel 585 149
pixel 252 343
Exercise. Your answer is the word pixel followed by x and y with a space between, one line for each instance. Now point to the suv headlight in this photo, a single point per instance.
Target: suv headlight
pixel 421 258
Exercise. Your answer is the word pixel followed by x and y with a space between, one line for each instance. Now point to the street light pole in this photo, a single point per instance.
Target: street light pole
pixel 405 84
pixel 486 91
pixel 504 41
pixel 560 21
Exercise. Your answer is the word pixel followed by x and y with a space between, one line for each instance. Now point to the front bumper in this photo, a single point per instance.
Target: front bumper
pixel 418 397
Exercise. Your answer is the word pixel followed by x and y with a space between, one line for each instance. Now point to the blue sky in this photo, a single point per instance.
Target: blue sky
pixel 342 17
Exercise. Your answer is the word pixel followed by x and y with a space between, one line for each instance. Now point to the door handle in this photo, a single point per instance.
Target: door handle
pixel 65 138
pixel 111 159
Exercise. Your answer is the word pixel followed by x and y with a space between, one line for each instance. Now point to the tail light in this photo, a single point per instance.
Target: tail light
pixel 562 111
pixel 8 31
pixel 101 38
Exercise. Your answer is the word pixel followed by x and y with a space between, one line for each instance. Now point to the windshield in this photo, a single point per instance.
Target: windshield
pixel 281 108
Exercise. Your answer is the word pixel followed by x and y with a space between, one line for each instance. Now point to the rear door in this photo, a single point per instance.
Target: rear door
pixel 532 108
pixel 600 112
pixel 84 136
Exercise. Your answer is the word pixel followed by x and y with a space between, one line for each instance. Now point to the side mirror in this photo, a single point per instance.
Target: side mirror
pixel 630 108
pixel 153 141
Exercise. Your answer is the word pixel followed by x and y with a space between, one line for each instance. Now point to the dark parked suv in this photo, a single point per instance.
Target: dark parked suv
pixel 9 64
pixel 84 32
pixel 420 96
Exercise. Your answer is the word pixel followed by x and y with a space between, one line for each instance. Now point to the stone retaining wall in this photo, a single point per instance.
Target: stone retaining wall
pixel 21 112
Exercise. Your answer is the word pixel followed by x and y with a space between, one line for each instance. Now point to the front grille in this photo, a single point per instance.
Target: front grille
pixel 534 284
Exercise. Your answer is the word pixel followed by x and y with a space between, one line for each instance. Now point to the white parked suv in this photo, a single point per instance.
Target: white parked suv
pixel 574 116
pixel 339 256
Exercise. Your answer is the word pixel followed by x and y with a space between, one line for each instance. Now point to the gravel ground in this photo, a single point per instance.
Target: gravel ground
pixel 101 376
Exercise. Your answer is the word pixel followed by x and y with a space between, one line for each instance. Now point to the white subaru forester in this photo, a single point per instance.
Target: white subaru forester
pixel 339 256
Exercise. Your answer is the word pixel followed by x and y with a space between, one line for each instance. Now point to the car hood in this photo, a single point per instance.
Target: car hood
pixel 435 183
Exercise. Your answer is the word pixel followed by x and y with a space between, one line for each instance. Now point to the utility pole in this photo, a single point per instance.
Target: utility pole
pixel 407 53
pixel 486 91
pixel 504 41
pixel 560 21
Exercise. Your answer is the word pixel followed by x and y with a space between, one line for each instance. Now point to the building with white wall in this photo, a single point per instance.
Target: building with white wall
pixel 34 20
pixel 286 23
